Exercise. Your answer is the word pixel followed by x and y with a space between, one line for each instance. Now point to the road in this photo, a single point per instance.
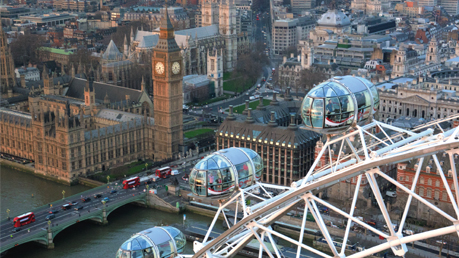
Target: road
pixel 92 206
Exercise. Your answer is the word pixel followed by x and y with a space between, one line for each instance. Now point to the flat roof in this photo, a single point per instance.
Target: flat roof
pixel 57 50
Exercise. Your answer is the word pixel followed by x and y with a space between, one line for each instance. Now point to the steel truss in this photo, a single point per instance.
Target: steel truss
pixel 367 148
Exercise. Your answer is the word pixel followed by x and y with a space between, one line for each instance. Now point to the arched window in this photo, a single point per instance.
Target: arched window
pixel 429 181
pixel 422 180
pixel 421 191
pixel 437 195
pixel 429 193
pixel 444 196
pixel 437 183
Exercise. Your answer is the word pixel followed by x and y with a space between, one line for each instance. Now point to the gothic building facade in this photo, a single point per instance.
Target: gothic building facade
pixel 7 75
pixel 92 126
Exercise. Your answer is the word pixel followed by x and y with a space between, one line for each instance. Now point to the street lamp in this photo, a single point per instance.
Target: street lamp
pixel 103 202
pixel 63 194
pixel 8 212
pixel 108 179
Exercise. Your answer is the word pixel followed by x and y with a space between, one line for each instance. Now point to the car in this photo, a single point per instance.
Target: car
pixel 251 98
pixel 74 203
pixel 408 232
pixel 113 191
pixel 440 242
pixel 87 199
pixel 78 208
pixel 175 172
pixel 371 222
pixel 50 216
pixel 15 230
pixel 106 199
pixel 391 194
pixel 53 211
pixel 66 207
pixel 97 196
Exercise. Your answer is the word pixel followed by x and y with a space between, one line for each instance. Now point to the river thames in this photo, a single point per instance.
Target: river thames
pixel 86 239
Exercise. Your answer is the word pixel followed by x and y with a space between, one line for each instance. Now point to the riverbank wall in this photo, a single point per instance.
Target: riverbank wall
pixel 89 182
pixel 31 170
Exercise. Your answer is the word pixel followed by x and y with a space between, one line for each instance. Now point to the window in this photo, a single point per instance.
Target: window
pixel 401 178
pixel 421 191
pixel 429 193
pixel 437 195
pixel 444 196
pixel 429 181
pixel 437 183
pixel 422 180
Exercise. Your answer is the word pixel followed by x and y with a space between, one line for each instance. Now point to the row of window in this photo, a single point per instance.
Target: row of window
pixel 422 180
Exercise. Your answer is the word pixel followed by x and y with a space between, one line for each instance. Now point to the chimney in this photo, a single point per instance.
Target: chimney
pixel 288 97
pixel 246 107
pixel 128 99
pixel 260 105
pixel 231 115
pixel 284 59
pixel 274 102
pixel 292 125
pixel 249 116
pixel 292 55
pixel 272 121
pixel 23 82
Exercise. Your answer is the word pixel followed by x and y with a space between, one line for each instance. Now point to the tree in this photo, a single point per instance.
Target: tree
pixel 309 77
pixel 25 48
pixel 83 56
pixel 260 5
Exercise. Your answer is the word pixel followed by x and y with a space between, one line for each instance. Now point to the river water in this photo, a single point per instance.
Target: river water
pixel 86 239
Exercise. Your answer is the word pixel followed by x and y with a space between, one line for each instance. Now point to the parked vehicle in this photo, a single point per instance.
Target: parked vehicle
pixel 391 194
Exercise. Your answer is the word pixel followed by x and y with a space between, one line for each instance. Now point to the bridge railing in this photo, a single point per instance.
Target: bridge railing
pixel 33 235
pixel 59 201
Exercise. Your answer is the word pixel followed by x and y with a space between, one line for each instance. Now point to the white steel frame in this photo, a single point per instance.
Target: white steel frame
pixel 390 146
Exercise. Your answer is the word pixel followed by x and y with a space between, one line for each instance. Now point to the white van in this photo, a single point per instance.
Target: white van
pixel 175 172
pixel 391 194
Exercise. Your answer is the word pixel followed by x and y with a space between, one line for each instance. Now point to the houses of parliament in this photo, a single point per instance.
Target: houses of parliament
pixel 73 126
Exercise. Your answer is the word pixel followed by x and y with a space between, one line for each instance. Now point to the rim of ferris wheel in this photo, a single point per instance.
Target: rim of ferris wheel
pixel 361 151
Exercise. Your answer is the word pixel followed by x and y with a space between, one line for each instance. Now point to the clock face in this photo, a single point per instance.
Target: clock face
pixel 176 67
pixel 159 67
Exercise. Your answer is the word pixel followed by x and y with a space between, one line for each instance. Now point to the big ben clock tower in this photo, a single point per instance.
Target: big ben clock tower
pixel 167 90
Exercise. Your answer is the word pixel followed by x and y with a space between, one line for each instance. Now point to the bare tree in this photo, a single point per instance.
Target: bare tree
pixel 309 77
pixel 25 48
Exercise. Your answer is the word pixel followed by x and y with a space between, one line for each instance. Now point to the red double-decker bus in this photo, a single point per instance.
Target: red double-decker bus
pixel 163 172
pixel 131 182
pixel 24 219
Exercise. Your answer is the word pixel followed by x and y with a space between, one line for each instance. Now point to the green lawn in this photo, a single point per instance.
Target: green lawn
pixel 194 133
pixel 253 105
pixel 226 76
pixel 237 85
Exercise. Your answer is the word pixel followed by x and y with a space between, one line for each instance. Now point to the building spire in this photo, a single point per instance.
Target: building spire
pixel 166 21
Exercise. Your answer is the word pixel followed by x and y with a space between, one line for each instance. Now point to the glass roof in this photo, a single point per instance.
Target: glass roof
pixel 328 89
pixel 224 159
pixel 235 155
pixel 252 154
pixel 149 237
pixel 213 161
pixel 353 83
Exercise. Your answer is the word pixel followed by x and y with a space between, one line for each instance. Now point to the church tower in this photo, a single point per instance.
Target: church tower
pixel 432 52
pixel 209 13
pixel 167 91
pixel 399 63
pixel 227 28
pixel 307 56
pixel 89 94
pixel 215 69
pixel 7 75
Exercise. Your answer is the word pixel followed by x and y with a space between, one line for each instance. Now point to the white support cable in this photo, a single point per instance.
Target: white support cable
pixel 353 150
pixel 452 162
pixel 339 153
pixel 344 214
pixel 319 221
pixel 293 241
pixel 212 225
pixel 270 196
pixel 382 206
pixel 262 243
pixel 351 214
pixel 410 197
pixel 446 185
pixel 314 165
pixel 226 219
pixel 419 198
pixel 235 212
pixel 363 142
pixel 384 132
pixel 273 244
pixel 303 225
pixel 232 252
pixel 376 138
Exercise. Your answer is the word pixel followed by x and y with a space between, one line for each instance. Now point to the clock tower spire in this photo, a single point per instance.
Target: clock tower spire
pixel 167 92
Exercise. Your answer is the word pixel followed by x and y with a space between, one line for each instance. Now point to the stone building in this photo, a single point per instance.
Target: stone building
pixel 370 6
pixel 272 131
pixel 430 185
pixel 7 78
pixel 178 16
pixel 418 97
pixel 97 126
